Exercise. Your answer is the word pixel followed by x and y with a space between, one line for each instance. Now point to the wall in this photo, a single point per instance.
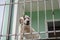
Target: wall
pixel 42 20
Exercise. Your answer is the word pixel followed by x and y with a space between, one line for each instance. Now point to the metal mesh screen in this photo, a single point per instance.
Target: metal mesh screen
pixel 16 35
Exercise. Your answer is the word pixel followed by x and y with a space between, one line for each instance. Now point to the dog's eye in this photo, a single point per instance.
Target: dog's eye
pixel 28 18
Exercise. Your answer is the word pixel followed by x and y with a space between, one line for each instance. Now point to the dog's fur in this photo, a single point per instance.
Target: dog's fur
pixel 25 28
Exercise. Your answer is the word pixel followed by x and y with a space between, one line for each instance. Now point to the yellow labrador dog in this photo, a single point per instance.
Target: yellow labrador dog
pixel 26 28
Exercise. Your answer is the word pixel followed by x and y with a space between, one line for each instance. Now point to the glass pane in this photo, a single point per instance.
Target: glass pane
pixel 52 34
pixel 48 4
pixel 57 14
pixel 50 26
pixel 2 1
pixel 43 35
pixel 42 21
pixel 34 6
pixel 55 4
pixel 1 13
pixel 27 7
pixel 41 5
pixel 57 25
pixel 1 17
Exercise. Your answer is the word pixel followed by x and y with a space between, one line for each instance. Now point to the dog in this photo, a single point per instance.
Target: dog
pixel 26 28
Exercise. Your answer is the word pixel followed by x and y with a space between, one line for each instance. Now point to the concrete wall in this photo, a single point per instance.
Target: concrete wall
pixel 42 20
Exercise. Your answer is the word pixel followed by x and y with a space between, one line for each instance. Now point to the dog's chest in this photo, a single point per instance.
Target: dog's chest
pixel 27 29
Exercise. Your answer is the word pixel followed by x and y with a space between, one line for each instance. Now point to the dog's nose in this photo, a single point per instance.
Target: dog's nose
pixel 27 21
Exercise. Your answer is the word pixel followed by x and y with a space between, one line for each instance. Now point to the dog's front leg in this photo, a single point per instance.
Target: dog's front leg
pixel 21 37
pixel 21 34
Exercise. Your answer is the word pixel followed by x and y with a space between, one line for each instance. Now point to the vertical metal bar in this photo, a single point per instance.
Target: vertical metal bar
pixel 53 17
pixel 45 18
pixel 14 20
pixel 52 4
pixel 31 16
pixel 2 20
pixel 16 29
pixel 24 5
pixel 9 19
pixel 24 14
pixel 38 16
pixel 59 3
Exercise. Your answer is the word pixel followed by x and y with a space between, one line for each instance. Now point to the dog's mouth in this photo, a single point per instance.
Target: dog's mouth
pixel 27 23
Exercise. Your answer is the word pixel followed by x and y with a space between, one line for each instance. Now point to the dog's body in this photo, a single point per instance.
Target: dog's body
pixel 25 28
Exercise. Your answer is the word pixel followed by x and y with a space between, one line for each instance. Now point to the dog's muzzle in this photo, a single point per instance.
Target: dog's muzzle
pixel 28 22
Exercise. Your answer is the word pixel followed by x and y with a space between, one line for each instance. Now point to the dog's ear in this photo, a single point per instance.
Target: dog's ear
pixel 21 20
pixel 23 16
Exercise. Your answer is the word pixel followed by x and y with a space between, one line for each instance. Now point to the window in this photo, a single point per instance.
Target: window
pixel 52 34
pixel 51 28
pixel 1 15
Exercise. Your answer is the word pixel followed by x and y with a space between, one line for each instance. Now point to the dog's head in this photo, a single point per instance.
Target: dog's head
pixel 25 20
